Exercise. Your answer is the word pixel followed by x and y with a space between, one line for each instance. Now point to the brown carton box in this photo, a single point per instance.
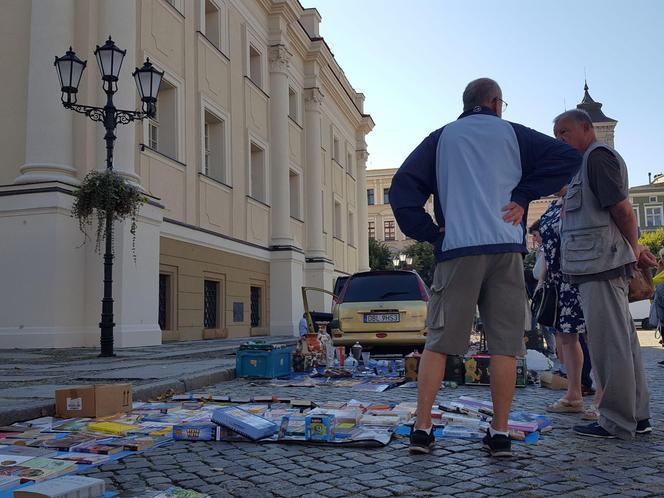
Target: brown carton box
pixel 97 400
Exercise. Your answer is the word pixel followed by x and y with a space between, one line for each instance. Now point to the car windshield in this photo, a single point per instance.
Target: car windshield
pixel 383 287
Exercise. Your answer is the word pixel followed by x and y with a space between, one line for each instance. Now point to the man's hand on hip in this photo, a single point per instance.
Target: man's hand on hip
pixel 513 213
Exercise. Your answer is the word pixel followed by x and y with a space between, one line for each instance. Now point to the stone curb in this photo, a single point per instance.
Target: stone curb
pixel 144 392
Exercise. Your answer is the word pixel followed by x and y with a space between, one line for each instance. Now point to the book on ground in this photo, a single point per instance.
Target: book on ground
pixel 65 487
pixel 244 422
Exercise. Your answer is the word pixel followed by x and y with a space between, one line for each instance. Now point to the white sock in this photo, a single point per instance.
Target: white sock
pixel 494 432
pixel 428 431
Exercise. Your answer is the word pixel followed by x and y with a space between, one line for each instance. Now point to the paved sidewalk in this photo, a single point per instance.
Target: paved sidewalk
pixel 29 377
pixel 561 464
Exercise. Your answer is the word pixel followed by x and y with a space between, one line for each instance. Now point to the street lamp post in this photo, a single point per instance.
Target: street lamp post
pixel 70 69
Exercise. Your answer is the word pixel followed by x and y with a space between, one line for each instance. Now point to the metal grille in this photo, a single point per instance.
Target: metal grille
pixel 210 304
pixel 163 300
pixel 255 306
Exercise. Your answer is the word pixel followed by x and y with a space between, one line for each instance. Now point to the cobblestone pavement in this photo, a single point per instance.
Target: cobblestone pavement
pixel 560 464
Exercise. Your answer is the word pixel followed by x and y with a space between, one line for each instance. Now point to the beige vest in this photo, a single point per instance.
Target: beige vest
pixel 591 242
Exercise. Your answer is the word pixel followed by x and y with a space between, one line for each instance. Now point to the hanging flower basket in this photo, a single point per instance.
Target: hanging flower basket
pixel 103 192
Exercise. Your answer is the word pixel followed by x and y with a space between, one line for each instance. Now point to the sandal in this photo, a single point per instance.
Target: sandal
pixel 564 405
pixel 592 413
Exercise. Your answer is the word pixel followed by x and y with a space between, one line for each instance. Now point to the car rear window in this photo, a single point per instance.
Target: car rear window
pixel 383 287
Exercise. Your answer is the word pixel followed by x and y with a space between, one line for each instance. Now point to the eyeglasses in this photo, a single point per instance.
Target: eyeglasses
pixel 502 102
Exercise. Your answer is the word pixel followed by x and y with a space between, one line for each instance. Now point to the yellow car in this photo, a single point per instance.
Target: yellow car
pixel 381 308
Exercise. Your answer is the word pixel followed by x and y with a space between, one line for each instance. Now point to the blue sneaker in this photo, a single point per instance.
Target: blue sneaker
pixel 593 430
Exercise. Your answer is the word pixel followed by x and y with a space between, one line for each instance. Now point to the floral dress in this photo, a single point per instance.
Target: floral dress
pixel 570 317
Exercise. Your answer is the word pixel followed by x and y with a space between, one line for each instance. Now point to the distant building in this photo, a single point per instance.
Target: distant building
pixel 381 223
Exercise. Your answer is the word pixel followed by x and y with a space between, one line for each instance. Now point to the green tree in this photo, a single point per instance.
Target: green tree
pixel 653 240
pixel 380 257
pixel 424 261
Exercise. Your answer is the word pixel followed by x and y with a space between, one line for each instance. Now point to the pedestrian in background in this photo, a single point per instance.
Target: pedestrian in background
pixel 600 247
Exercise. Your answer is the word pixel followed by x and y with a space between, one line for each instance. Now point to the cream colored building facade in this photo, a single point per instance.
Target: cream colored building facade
pixel 381 223
pixel 255 167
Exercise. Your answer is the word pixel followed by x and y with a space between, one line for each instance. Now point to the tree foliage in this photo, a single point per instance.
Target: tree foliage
pixel 380 257
pixel 653 240
pixel 424 261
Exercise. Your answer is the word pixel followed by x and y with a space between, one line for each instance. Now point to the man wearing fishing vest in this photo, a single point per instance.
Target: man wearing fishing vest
pixel 599 250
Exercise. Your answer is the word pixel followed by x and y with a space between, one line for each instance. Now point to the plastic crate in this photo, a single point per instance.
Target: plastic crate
pixel 263 364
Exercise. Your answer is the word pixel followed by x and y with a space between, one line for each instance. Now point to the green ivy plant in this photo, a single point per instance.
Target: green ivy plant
pixel 103 192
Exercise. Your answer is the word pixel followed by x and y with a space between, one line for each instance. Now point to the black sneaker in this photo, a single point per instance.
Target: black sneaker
pixel 661 363
pixel 593 430
pixel 643 426
pixel 498 445
pixel 421 441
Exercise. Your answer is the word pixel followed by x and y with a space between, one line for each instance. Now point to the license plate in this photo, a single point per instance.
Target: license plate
pixel 382 318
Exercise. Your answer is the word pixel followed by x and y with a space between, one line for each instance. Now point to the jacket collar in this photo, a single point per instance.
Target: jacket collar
pixel 478 110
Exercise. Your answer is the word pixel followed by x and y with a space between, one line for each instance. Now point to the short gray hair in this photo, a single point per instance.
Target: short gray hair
pixel 578 115
pixel 480 92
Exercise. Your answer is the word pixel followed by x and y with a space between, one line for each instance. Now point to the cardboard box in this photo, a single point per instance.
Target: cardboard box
pixel 477 370
pixel 97 400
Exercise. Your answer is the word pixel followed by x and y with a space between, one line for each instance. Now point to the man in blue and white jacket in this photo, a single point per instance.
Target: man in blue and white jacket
pixel 483 172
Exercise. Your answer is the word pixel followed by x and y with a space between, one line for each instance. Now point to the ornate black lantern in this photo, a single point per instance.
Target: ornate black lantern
pixel 70 69
pixel 109 59
pixel 148 80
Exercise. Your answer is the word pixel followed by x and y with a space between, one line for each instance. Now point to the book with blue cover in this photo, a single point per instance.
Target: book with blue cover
pixel 244 422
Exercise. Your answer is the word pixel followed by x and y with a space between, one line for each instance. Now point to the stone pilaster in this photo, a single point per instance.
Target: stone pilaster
pixel 279 57
pixel 315 248
pixel 49 154
pixel 362 211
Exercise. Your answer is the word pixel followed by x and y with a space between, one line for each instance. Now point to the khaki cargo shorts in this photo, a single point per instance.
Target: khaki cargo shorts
pixel 494 283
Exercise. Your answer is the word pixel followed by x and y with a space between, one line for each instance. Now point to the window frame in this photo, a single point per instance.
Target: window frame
pixel 210 107
pixel 660 209
pixel 371 227
pixel 223 33
pixel 386 194
pixel 259 142
pixel 392 229
pixel 373 197
pixel 294 171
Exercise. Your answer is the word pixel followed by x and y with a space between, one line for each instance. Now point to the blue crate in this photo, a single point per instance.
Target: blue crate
pixel 263 364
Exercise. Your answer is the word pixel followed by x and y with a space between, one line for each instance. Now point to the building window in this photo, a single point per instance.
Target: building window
pixel 322 209
pixel 386 196
pixel 256 307
pixel 335 149
pixel 652 198
pixel 294 183
pixel 164 301
pixel 214 147
pixel 371 199
pixel 292 104
pixel 653 216
pixel 211 304
pixel 388 226
pixel 213 23
pixel 349 163
pixel 258 174
pixel 351 228
pixel 255 66
pixel 162 130
pixel 337 219
pixel 372 230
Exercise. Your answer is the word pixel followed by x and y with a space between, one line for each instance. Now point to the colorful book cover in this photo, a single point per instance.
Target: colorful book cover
pixel 39 469
pixel 175 492
pixel 9 482
pixel 70 425
pixel 111 428
pixel 9 460
pixel 26 451
pixel 96 447
pixel 67 442
pixel 82 458
pixel 132 443
pixel 244 422
pixel 195 432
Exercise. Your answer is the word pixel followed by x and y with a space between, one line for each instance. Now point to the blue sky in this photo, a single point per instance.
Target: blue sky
pixel 413 59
